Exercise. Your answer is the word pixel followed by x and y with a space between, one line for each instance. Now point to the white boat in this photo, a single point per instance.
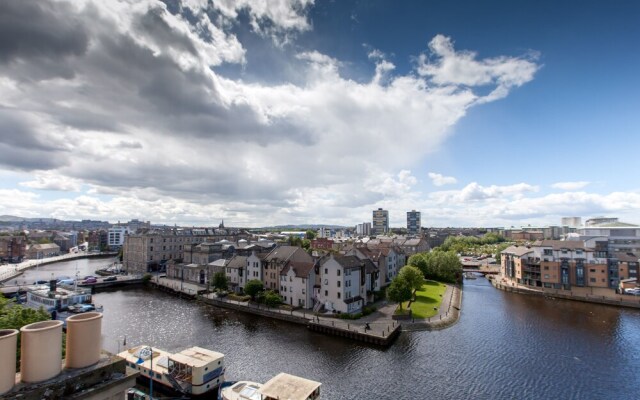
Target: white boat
pixel 59 299
pixel 281 386
pixel 194 371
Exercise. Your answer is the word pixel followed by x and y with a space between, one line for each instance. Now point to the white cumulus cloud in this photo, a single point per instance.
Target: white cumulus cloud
pixel 570 185
pixel 441 180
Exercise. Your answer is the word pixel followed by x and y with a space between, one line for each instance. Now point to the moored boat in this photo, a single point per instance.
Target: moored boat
pixel 281 386
pixel 194 371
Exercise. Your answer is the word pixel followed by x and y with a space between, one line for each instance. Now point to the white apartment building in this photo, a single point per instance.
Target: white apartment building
pixel 235 271
pixel 296 284
pixel 342 284
pixel 116 235
pixel 254 267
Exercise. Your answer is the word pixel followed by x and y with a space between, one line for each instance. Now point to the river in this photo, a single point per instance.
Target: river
pixel 505 346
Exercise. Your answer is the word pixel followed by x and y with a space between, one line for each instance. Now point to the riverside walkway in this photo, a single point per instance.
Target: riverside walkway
pixel 377 328
pixel 10 271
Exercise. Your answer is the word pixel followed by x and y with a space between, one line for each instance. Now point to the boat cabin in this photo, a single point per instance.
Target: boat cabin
pixel 290 387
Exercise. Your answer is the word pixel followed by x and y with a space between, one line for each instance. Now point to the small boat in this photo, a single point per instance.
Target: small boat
pixel 192 372
pixel 281 386
pixel 470 275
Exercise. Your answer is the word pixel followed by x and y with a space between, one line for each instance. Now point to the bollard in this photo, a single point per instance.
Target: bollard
pixel 333 323
pixel 348 326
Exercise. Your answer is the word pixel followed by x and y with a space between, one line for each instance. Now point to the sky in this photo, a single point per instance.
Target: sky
pixel 265 112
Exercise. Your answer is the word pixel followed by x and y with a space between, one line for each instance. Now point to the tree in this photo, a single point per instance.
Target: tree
pixel 15 316
pixel 413 276
pixel 253 287
pixel 438 265
pixel 306 244
pixel 294 241
pixel 272 299
pixel 399 291
pixel 220 281
pixel 310 235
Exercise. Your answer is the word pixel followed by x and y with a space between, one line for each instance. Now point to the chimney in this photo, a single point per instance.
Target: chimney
pixel 41 351
pixel 8 347
pixel 83 339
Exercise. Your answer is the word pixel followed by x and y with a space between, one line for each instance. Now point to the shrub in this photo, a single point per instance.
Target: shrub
pixel 272 299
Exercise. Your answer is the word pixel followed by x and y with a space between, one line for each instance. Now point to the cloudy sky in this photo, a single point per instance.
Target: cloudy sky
pixel 300 111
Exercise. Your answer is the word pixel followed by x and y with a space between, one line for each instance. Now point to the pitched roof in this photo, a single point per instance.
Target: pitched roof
pixel 301 269
pixel 237 262
pixel 281 253
pixel 348 262
pixel 369 266
pixel 517 250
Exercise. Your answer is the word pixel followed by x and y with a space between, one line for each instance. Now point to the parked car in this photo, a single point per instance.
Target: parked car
pixel 110 279
pixel 41 282
pixel 90 277
pixel 69 282
pixel 90 280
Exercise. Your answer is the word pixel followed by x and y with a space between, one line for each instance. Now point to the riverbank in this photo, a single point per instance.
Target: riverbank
pixel 448 313
pixel 585 295
pixel 11 271
pixel 378 328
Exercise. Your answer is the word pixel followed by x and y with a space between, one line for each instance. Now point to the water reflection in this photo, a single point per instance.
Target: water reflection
pixel 505 346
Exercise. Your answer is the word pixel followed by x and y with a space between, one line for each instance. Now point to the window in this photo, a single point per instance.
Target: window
pixel 303 291
pixel 546 276
pixel 151 249
pixel 338 272
pixel 326 271
pixel 546 267
pixel 592 280
pixel 326 293
pixel 338 283
pixel 592 270
pixel 338 294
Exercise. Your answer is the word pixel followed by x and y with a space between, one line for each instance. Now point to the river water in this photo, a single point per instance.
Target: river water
pixel 505 346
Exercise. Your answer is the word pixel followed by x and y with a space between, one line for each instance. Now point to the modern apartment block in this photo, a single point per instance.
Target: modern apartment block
pixel 571 222
pixel 560 264
pixel 363 229
pixel 414 223
pixel 380 224
pixel 116 235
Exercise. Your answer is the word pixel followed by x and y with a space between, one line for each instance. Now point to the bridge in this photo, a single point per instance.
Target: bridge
pixel 484 271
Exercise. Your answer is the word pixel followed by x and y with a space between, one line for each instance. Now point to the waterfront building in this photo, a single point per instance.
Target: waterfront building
pixel 12 248
pixel 206 252
pixel 38 251
pixel 199 274
pixel 116 236
pixel 380 224
pixel 564 265
pixel 297 279
pixel 254 266
pixel 621 236
pixel 414 222
pixel 276 261
pixel 235 270
pixel 342 285
pixel 150 251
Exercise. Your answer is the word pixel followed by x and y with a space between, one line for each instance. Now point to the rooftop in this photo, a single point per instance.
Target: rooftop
pixel 289 387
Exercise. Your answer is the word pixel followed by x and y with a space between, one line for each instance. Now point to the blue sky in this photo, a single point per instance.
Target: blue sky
pixel 494 113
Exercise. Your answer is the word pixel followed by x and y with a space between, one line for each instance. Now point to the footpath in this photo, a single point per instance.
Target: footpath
pixel 377 328
pixel 11 271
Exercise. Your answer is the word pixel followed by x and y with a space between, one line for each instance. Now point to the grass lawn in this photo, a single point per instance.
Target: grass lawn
pixel 427 298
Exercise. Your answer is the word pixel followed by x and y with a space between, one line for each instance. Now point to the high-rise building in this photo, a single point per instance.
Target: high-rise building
pixel 413 222
pixel 363 229
pixel 380 223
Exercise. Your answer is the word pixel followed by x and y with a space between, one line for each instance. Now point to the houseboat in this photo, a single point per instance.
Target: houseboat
pixel 58 299
pixel 282 386
pixel 192 372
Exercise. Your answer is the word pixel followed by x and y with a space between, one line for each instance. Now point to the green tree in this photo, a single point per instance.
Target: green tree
pixel 272 299
pixel 399 291
pixel 294 241
pixel 253 287
pixel 438 265
pixel 310 235
pixel 220 281
pixel 306 244
pixel 413 276
pixel 15 316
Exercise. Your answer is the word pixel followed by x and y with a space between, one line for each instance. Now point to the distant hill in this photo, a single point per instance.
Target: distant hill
pixel 13 218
